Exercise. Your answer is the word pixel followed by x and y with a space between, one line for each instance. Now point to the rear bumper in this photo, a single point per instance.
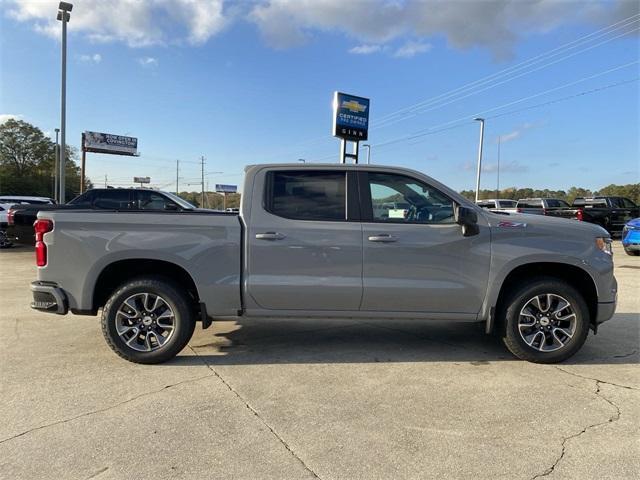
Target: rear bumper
pixel 48 297
pixel 605 312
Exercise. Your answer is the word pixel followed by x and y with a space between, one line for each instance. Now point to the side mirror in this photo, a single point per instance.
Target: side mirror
pixel 468 219
pixel 171 206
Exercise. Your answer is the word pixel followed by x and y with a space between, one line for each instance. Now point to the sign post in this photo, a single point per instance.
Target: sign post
pixel 105 143
pixel 350 122
pixel 224 189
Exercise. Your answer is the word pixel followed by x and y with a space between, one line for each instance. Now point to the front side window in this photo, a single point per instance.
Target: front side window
pixel 307 195
pixel 626 203
pixel 115 199
pixel 150 200
pixel 401 199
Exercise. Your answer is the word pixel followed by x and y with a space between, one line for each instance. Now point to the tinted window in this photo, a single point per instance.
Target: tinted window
pixel 627 203
pixel 507 203
pixel 530 204
pixel 552 203
pixel 400 199
pixel 307 195
pixel 116 199
pixel 86 199
pixel 150 200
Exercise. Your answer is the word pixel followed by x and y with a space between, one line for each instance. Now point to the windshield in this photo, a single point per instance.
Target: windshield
pixel 180 201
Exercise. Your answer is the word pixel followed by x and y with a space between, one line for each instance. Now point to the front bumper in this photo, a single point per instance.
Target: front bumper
pixel 48 297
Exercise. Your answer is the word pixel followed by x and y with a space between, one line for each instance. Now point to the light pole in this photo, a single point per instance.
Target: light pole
pixel 498 178
pixel 481 120
pixel 302 160
pixel 368 147
pixel 56 166
pixel 63 16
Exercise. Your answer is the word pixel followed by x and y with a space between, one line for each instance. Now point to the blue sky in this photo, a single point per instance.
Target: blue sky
pixel 252 82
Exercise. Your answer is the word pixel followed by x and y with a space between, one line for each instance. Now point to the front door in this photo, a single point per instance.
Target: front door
pixel 415 258
pixel 304 242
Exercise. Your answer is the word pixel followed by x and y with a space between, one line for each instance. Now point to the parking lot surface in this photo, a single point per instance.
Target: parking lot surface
pixel 294 399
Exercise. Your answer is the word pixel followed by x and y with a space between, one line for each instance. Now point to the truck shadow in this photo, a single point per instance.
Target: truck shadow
pixel 280 341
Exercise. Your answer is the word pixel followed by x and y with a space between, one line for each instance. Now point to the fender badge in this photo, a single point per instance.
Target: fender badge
pixel 512 225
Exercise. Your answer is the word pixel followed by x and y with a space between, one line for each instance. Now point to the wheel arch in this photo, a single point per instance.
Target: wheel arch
pixel 575 276
pixel 116 273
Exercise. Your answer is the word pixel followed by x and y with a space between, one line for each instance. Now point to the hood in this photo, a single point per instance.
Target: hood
pixel 538 223
pixel 634 222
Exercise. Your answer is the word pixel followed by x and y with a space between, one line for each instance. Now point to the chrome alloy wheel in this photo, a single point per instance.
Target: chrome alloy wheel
pixel 145 322
pixel 547 322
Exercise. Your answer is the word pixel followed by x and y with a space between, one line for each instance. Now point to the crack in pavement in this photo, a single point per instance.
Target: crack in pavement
pixel 596 379
pixel 256 414
pixel 105 409
pixel 614 418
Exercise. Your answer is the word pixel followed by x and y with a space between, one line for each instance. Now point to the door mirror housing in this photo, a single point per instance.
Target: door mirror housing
pixel 467 218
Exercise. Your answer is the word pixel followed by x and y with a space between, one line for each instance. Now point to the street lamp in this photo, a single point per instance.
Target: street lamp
pixel 56 167
pixel 481 120
pixel 368 147
pixel 63 15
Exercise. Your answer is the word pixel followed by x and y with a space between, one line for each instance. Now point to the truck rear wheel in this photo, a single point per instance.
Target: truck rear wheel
pixel 148 320
pixel 546 321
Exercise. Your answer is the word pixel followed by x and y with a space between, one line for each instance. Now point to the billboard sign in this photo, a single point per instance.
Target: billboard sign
pixel 107 143
pixel 350 117
pixel 141 179
pixel 226 188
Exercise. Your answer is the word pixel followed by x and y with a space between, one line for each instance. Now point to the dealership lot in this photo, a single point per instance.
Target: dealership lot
pixel 314 399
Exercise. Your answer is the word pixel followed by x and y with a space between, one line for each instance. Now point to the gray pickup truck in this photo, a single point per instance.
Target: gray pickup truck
pixel 316 240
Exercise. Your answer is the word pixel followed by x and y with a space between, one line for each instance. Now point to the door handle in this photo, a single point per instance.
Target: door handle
pixel 270 236
pixel 383 238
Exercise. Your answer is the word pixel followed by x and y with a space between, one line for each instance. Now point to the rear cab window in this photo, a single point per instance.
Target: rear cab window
pixel 307 195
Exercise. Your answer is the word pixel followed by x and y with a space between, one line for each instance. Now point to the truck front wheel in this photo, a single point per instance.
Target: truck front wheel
pixel 546 321
pixel 148 320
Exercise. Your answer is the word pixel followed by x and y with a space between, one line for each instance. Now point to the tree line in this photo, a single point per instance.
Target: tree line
pixel 630 191
pixel 27 162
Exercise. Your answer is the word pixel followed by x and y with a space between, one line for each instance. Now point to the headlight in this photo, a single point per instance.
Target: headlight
pixel 604 244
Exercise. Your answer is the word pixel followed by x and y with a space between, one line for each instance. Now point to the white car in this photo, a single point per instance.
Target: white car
pixel 498 205
pixel 20 199
pixel 4 217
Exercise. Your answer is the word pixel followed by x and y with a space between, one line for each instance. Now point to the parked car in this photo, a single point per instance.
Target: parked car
pixel 553 207
pixel 22 218
pixel 631 237
pixel 498 205
pixel 4 218
pixel 611 213
pixel 309 241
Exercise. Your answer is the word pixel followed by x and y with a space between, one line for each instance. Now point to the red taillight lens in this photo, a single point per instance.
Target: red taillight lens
pixel 579 215
pixel 544 211
pixel 519 210
pixel 41 226
pixel 11 216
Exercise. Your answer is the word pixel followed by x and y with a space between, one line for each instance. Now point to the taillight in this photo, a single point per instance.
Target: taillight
pixel 544 211
pixel 11 216
pixel 580 215
pixel 519 210
pixel 41 226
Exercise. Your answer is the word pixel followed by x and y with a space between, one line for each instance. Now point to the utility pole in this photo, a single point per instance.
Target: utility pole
pixel 82 163
pixel 177 175
pixel 481 120
pixel 63 16
pixel 202 181
pixel 498 179
pixel 105 180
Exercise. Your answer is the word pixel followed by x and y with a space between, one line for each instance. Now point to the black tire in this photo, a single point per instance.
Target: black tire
pixel 633 253
pixel 183 320
pixel 516 302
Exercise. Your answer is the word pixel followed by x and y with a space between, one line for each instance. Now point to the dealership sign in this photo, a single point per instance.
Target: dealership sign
pixel 107 143
pixel 226 188
pixel 141 180
pixel 350 117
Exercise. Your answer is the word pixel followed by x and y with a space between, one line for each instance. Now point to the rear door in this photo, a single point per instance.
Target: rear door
pixel 304 241
pixel 419 262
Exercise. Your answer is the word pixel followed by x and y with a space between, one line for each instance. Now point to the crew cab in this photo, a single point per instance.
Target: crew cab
pixel 553 207
pixel 611 213
pixel 317 240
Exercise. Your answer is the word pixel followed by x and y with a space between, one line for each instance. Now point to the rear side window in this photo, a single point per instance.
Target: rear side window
pixel 151 200
pixel 116 199
pixel 307 195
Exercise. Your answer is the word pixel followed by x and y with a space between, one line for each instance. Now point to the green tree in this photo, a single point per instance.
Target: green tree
pixel 27 161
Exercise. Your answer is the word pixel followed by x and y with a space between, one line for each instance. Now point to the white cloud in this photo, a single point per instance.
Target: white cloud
pixel 8 116
pixel 95 58
pixel 365 49
pixel 150 62
pixel 487 167
pixel 136 23
pixel 517 133
pixel 492 24
pixel 411 49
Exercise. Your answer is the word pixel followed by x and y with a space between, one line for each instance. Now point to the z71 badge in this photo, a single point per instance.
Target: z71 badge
pixel 512 225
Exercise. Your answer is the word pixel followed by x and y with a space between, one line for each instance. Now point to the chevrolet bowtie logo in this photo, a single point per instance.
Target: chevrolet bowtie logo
pixel 353 106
